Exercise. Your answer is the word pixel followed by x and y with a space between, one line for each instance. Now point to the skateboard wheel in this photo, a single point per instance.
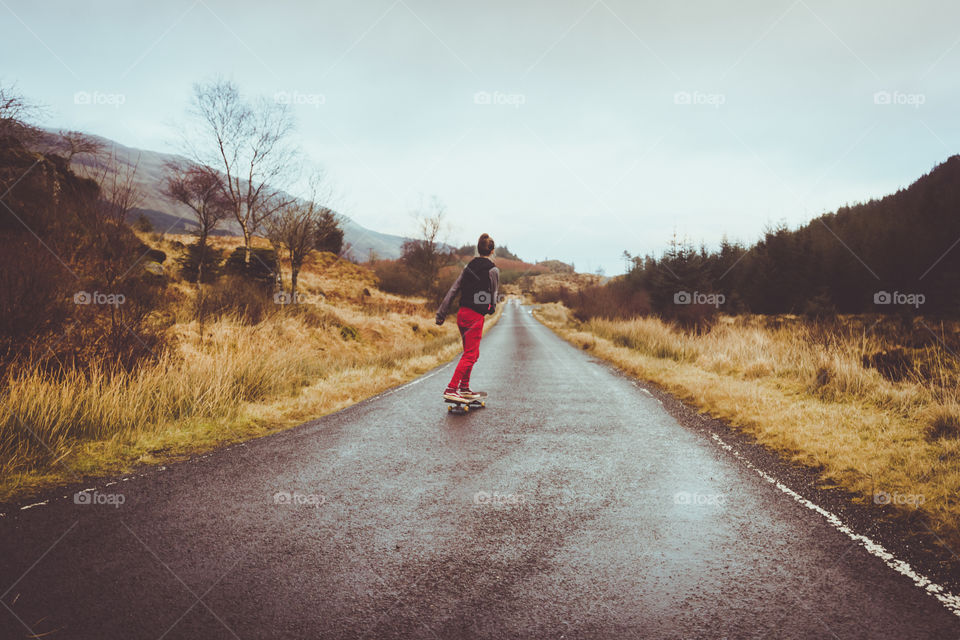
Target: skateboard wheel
pixel 466 408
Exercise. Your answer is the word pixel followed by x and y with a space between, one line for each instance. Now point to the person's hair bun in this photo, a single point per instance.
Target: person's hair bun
pixel 485 245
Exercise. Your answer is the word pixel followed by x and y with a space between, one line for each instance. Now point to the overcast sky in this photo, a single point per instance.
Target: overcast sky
pixel 566 129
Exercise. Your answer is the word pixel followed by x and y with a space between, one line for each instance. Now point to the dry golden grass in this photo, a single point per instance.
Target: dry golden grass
pixel 237 381
pixel 803 391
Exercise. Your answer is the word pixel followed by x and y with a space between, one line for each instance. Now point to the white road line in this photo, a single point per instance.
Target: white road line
pixel 948 599
pixel 417 381
pixel 410 384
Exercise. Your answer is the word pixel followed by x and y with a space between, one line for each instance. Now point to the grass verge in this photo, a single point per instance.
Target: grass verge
pixel 234 383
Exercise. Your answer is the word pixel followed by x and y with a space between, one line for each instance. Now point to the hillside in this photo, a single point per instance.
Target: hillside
pixel 896 254
pixel 174 217
pixel 112 357
pixel 903 242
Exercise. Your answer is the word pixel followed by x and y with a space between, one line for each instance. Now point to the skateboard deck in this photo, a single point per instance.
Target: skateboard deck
pixel 464 407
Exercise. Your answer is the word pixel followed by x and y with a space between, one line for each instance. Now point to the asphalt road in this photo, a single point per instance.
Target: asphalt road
pixel 573 506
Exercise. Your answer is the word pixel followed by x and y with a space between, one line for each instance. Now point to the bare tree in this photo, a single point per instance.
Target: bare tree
pixel 74 143
pixel 105 216
pixel 15 112
pixel 425 255
pixel 250 144
pixel 120 191
pixel 15 131
pixel 304 226
pixel 199 188
pixel 117 179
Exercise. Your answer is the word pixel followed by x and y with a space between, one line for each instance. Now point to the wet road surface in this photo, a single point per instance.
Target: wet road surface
pixel 573 506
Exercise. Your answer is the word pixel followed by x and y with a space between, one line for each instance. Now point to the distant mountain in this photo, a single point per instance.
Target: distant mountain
pixel 173 217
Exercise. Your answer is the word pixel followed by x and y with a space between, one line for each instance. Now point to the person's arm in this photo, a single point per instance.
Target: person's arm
pixel 448 300
pixel 494 288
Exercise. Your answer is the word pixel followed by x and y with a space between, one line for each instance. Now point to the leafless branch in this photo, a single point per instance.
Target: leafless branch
pixel 250 144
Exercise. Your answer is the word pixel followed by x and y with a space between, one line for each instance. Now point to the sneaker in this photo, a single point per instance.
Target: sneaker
pixel 455 396
pixel 468 394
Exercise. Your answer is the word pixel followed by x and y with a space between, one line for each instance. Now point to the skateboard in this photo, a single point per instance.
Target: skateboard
pixel 464 407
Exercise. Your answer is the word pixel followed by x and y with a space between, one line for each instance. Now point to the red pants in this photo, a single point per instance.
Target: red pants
pixel 470 324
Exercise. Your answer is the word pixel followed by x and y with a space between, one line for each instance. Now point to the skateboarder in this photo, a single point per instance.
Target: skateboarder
pixel 479 285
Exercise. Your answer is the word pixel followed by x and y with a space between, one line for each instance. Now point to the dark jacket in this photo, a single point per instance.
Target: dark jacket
pixel 479 287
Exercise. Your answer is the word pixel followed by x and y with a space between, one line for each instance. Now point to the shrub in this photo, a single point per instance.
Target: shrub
pixel 236 295
pixel 189 262
pixel 546 296
pixel 611 301
pixel 261 269
pixel 395 277
pixel 143 224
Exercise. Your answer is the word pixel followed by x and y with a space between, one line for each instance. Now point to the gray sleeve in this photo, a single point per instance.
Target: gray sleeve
pixel 448 299
pixel 494 288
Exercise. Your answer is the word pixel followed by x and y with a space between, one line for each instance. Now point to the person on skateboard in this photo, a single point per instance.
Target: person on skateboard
pixel 479 285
